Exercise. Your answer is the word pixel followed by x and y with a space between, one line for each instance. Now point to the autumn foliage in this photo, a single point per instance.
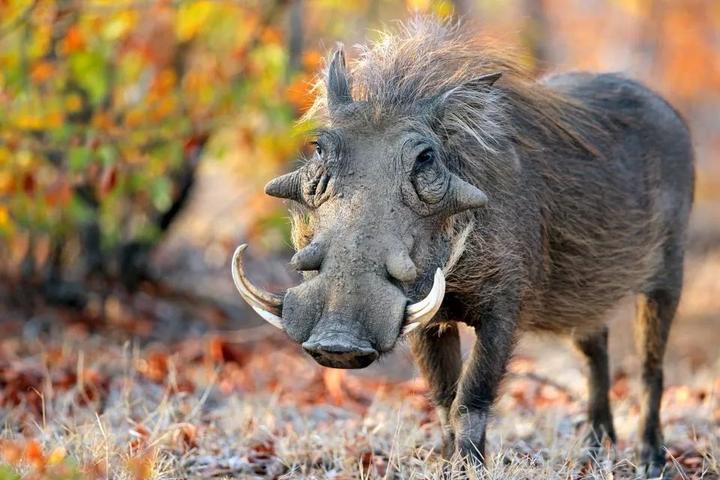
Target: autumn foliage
pixel 106 110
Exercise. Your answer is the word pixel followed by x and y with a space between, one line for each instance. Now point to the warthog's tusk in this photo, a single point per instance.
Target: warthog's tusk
pixel 267 305
pixel 421 312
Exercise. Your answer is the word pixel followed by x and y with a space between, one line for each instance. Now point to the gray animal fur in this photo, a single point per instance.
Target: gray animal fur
pixel 590 184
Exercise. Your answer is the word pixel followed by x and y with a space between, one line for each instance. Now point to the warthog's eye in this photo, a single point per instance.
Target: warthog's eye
pixel 428 177
pixel 424 158
pixel 318 148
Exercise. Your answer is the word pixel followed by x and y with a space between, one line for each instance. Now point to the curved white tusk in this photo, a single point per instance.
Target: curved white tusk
pixel 267 305
pixel 271 318
pixel 421 312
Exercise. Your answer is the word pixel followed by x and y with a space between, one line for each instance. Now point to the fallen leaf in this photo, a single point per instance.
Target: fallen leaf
pixel 185 436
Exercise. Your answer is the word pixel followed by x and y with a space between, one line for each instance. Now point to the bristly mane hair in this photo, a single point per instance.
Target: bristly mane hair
pixel 426 58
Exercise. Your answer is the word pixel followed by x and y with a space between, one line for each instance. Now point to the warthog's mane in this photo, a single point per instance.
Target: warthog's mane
pixel 426 58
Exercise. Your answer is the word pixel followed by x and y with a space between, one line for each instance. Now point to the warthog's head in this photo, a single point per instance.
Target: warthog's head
pixel 373 201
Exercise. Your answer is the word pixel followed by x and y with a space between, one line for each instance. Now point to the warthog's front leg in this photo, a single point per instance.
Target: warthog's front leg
pixel 479 383
pixel 437 350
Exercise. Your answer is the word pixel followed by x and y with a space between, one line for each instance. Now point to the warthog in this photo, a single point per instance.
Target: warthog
pixel 448 186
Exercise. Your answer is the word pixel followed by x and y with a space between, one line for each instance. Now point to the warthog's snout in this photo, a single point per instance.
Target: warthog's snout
pixel 340 350
pixel 343 323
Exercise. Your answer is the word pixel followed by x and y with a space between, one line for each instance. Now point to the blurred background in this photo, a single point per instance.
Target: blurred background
pixel 136 136
pixel 135 140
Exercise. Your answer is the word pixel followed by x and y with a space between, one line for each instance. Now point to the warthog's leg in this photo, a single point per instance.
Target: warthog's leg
pixel 437 350
pixel 480 380
pixel 655 311
pixel 599 414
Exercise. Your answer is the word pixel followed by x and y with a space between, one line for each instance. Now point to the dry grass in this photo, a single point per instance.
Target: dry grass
pixel 205 408
pixel 75 404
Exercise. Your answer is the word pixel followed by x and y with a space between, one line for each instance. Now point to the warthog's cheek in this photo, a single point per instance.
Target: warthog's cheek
pixel 302 308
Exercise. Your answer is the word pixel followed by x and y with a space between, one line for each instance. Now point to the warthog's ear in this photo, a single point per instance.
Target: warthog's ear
pixel 486 80
pixel 474 85
pixel 285 186
pixel 338 85
pixel 461 93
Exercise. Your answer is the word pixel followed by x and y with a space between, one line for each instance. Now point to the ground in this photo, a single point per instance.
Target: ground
pixel 158 387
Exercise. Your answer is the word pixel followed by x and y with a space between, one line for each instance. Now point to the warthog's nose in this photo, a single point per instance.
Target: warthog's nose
pixel 338 350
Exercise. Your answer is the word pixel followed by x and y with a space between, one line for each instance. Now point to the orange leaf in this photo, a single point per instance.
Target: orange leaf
pixel 139 434
pixel 100 120
pixel 374 460
pixel 222 351
pixel 185 437
pixel 4 217
pixel 271 35
pixel 10 452
pixel 74 39
pixel 299 92
pixel 155 368
pixel 620 387
pixel 34 455
pixel 7 182
pixel 264 448
pixel 108 179
pixel 333 379
pixel 134 118
pixel 312 60
pixel 59 193
pixel 41 71
pixel 163 82
pixel 141 467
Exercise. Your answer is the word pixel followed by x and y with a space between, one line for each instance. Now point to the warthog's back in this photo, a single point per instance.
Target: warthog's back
pixel 610 220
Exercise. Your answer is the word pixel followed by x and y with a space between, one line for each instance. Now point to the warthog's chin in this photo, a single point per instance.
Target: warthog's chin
pixel 325 342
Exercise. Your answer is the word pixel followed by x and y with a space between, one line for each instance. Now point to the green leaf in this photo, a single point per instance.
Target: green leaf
pixel 149 233
pixel 7 473
pixel 167 154
pixel 107 155
pixel 88 70
pixel 61 133
pixel 79 158
pixel 79 211
pixel 160 193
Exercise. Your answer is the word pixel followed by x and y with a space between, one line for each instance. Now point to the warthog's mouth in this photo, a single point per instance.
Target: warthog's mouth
pixel 338 350
pixel 270 305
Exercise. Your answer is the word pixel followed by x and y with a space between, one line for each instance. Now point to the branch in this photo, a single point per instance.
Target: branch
pixel 184 181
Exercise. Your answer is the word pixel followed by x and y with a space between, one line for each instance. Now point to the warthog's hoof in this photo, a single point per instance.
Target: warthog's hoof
pixel 448 445
pixel 652 463
pixel 598 446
